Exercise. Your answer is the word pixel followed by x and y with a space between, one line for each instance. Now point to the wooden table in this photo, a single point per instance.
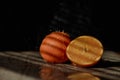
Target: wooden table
pixel 28 65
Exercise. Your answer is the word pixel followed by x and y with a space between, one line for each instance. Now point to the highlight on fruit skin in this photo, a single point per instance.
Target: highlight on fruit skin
pixel 84 51
pixel 53 47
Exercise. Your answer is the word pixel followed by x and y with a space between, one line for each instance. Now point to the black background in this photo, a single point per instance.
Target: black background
pixel 24 24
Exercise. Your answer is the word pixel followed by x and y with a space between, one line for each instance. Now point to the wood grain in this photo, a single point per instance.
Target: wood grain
pixel 111 72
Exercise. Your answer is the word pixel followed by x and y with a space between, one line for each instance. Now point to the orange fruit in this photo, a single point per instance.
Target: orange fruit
pixel 53 47
pixel 84 51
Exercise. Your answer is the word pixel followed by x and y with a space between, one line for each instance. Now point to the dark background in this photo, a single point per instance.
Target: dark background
pixel 24 24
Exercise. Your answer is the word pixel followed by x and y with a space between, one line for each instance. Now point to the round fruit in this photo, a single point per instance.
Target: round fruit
pixel 85 51
pixel 53 47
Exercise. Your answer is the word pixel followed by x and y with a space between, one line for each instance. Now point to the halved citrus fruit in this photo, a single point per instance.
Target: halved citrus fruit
pixel 84 51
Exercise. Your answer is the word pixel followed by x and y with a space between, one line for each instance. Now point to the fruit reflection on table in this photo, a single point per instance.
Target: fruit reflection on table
pixel 51 73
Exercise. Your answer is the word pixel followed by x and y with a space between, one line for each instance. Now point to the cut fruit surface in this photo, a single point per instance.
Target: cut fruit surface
pixel 85 51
